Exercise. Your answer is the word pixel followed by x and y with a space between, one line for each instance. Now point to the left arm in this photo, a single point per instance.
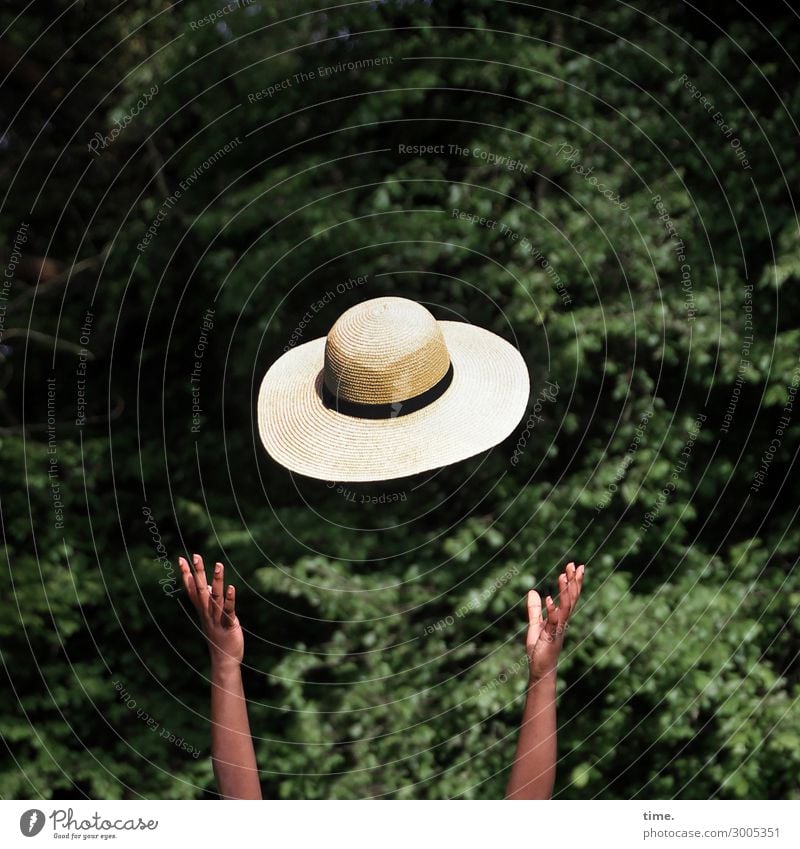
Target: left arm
pixel 232 753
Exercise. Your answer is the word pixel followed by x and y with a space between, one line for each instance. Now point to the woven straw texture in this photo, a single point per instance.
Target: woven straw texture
pixel 384 350
pixel 483 404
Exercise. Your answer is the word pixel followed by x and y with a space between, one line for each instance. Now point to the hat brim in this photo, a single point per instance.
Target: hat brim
pixel 481 407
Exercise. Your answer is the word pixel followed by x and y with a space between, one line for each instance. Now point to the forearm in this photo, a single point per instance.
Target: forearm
pixel 533 773
pixel 232 752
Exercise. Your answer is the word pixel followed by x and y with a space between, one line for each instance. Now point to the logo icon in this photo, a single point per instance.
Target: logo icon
pixel 31 822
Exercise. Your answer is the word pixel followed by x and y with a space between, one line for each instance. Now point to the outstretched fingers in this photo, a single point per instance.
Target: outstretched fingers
pixel 570 590
pixel 188 580
pixel 572 584
pixel 200 577
pixel 553 623
pixel 535 621
pixel 229 608
pixel 564 597
pixel 534 608
pixel 215 596
pixel 575 584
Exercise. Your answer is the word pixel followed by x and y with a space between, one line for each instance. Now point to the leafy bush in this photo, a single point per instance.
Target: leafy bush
pixel 680 678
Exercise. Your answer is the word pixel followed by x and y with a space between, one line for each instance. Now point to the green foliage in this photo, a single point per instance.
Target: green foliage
pixel 384 640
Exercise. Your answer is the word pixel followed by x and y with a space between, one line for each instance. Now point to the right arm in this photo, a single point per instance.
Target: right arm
pixel 232 752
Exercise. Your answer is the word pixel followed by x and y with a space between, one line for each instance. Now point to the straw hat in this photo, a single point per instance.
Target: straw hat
pixel 390 392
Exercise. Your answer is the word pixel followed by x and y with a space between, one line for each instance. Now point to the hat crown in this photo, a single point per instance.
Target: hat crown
pixel 383 351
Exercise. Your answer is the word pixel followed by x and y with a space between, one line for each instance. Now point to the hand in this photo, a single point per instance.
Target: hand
pixel 545 637
pixel 217 615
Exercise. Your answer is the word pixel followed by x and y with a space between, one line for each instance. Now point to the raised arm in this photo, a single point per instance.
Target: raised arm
pixel 533 773
pixel 232 752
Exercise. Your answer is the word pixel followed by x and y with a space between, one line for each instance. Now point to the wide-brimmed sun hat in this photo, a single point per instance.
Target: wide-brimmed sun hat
pixel 390 392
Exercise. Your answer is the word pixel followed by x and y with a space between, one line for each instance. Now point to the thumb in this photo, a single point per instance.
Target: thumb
pixel 534 607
